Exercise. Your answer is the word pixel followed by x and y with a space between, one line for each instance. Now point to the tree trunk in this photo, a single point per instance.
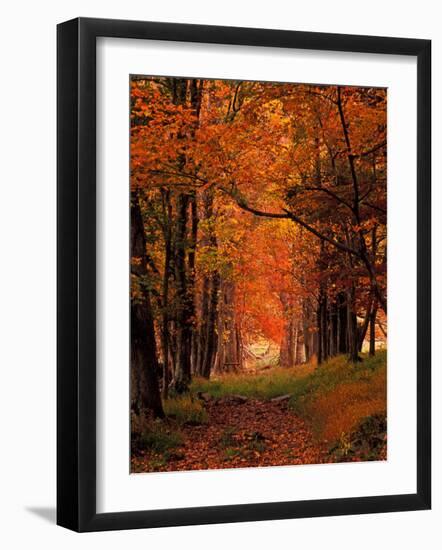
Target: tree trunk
pixel 374 309
pixel 322 326
pixel 191 276
pixel 184 300
pixel 320 356
pixel 296 360
pixel 229 340
pixel 372 349
pixel 352 327
pixel 167 214
pixel 334 335
pixel 211 336
pixel 288 343
pixel 210 298
pixel 144 361
pixel 362 332
pixel 204 317
pixel 308 328
pixel 325 327
pixel 343 322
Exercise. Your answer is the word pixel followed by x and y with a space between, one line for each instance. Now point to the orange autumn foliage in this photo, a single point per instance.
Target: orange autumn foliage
pixel 338 411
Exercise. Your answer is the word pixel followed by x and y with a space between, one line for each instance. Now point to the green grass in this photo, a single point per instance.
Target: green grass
pixel 227 438
pixel 159 439
pixel 162 438
pixel 300 381
pixel 230 454
pixel 185 410
pixel 333 373
pixel 271 383
pixel 265 362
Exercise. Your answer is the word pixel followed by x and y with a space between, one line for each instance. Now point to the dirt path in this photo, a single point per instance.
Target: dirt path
pixel 238 435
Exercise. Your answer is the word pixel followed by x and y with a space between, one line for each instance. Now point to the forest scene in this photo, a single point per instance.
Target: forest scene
pixel 258 237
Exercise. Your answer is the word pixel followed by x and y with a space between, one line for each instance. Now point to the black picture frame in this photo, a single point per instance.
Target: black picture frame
pixel 77 286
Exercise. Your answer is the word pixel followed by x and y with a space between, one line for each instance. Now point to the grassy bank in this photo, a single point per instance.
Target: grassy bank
pixel 270 383
pixel 334 398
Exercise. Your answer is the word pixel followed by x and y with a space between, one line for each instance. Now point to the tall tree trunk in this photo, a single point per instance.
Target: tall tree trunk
pixel 362 331
pixel 325 327
pixel 320 356
pixel 229 357
pixel 322 314
pixel 211 336
pixel 204 316
pixel 167 215
pixel 184 300
pixel 287 345
pixel 210 296
pixel 296 360
pixel 185 274
pixel 191 276
pixel 343 322
pixel 287 351
pixel 144 361
pixel 374 308
pixel 322 325
pixel 308 328
pixel 352 327
pixel 372 349
pixel 333 328
pixel 173 345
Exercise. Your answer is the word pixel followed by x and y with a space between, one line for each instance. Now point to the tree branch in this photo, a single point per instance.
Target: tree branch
pixel 322 96
pixel 331 193
pixel 374 206
pixel 240 201
pixel 350 156
pixel 372 150
pixel 179 175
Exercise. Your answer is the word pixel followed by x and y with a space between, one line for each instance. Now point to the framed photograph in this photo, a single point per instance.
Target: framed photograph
pixel 238 209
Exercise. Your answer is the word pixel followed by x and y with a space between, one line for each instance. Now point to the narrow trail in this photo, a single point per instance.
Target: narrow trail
pixel 239 433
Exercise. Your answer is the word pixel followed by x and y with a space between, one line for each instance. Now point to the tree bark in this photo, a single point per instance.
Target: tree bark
pixel 352 327
pixel 204 316
pixel 288 350
pixel 185 274
pixel 362 331
pixel 144 361
pixel 308 327
pixel 343 322
pixel 229 357
pixel 319 328
pixel 372 349
pixel 184 300
pixel 191 275
pixel 211 337
pixel 210 297
pixel 167 215
pixel 334 328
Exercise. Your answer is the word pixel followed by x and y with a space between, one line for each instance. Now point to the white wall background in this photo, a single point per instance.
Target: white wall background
pixel 27 274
